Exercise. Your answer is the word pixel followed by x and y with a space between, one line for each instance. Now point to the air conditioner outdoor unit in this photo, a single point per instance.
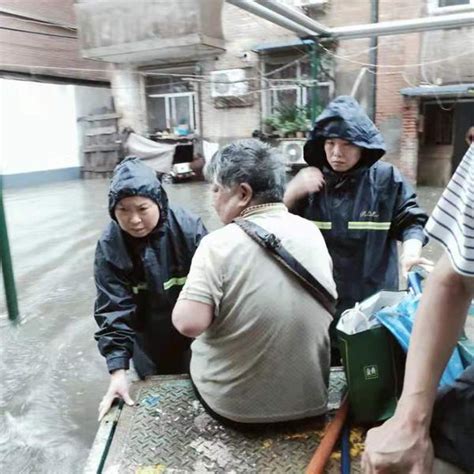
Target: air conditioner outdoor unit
pixel 229 83
pixel 292 151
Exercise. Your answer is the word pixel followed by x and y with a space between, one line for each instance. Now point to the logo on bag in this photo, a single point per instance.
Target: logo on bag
pixel 371 372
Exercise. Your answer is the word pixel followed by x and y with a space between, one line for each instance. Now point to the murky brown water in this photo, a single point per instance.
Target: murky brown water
pixel 52 375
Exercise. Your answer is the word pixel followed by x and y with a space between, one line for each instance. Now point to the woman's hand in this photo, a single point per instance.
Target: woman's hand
pixel 407 262
pixel 308 180
pixel 411 256
pixel 118 388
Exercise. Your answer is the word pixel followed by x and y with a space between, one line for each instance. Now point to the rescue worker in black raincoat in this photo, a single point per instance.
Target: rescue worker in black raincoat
pixel 141 263
pixel 363 206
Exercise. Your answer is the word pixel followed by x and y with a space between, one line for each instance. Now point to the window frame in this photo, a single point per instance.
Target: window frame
pixel 302 91
pixel 170 107
pixel 435 9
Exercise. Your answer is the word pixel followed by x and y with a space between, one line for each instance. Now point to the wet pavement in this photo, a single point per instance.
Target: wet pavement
pixel 52 375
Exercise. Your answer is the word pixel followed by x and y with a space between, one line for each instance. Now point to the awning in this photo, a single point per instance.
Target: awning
pixel 280 45
pixel 439 91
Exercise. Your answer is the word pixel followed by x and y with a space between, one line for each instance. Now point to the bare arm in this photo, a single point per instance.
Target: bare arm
pixel 442 313
pixel 192 318
pixel 403 441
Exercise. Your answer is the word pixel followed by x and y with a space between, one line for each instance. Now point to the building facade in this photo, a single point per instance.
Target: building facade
pixel 46 88
pixel 425 94
pixel 215 71
pixel 417 86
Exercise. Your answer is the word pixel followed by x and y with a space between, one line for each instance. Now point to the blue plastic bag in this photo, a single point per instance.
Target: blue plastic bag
pixel 398 319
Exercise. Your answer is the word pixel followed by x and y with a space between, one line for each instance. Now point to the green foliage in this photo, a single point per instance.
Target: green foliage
pixel 289 119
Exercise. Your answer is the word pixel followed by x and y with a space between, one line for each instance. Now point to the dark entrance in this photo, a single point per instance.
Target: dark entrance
pixel 463 119
pixel 443 139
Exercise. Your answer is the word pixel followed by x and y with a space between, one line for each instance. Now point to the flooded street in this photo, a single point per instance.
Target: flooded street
pixel 52 374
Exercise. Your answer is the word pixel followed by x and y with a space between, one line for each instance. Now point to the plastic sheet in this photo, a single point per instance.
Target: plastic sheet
pixel 398 319
pixel 362 316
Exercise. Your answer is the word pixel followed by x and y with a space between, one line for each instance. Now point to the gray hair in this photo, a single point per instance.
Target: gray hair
pixel 252 162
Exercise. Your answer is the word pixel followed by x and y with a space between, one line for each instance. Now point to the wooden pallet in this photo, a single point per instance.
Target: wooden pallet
pixel 102 146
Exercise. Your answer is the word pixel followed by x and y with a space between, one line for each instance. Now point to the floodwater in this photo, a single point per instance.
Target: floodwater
pixel 52 376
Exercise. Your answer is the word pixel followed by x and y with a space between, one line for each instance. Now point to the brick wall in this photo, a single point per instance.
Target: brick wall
pixel 353 54
pixel 242 32
pixel 396 118
pixel 408 158
pixel 456 44
pixel 54 52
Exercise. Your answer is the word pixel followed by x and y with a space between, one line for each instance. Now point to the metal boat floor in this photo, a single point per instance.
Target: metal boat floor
pixel 168 431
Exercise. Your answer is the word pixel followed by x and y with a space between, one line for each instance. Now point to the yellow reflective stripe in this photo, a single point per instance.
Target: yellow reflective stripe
pixel 324 225
pixel 176 281
pixel 368 225
pixel 140 286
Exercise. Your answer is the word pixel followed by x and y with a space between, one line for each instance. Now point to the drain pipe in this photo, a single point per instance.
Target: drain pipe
pixel 373 58
pixel 259 10
pixel 290 18
pixel 314 88
pixel 396 27
pixel 296 16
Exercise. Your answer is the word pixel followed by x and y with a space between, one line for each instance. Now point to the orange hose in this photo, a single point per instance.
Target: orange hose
pixel 326 446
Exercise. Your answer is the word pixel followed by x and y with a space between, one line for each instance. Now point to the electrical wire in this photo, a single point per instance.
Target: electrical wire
pixel 269 84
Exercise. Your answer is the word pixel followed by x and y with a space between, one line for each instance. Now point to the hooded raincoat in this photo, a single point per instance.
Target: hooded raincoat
pixel 138 279
pixel 363 212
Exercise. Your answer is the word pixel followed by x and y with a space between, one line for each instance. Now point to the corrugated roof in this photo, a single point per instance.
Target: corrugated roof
pixel 448 90
pixel 290 43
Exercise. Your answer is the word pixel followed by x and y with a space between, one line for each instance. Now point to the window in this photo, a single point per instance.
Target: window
pixel 170 102
pixel 172 110
pixel 287 81
pixel 451 3
pixel 449 6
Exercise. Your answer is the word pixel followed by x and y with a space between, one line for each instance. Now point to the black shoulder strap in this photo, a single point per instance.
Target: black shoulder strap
pixel 273 244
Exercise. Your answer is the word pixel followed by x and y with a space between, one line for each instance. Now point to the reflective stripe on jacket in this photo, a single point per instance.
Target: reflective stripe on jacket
pixel 138 280
pixel 361 215
pixel 137 289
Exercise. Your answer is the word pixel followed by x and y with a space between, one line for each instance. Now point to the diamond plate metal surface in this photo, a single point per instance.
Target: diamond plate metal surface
pixel 169 431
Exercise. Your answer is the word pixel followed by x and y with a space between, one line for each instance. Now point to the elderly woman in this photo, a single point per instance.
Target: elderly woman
pixel 261 352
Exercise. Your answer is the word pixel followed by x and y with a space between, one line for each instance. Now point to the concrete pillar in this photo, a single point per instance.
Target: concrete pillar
pixel 128 92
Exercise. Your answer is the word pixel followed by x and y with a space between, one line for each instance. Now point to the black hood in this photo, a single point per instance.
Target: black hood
pixel 344 118
pixel 133 178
